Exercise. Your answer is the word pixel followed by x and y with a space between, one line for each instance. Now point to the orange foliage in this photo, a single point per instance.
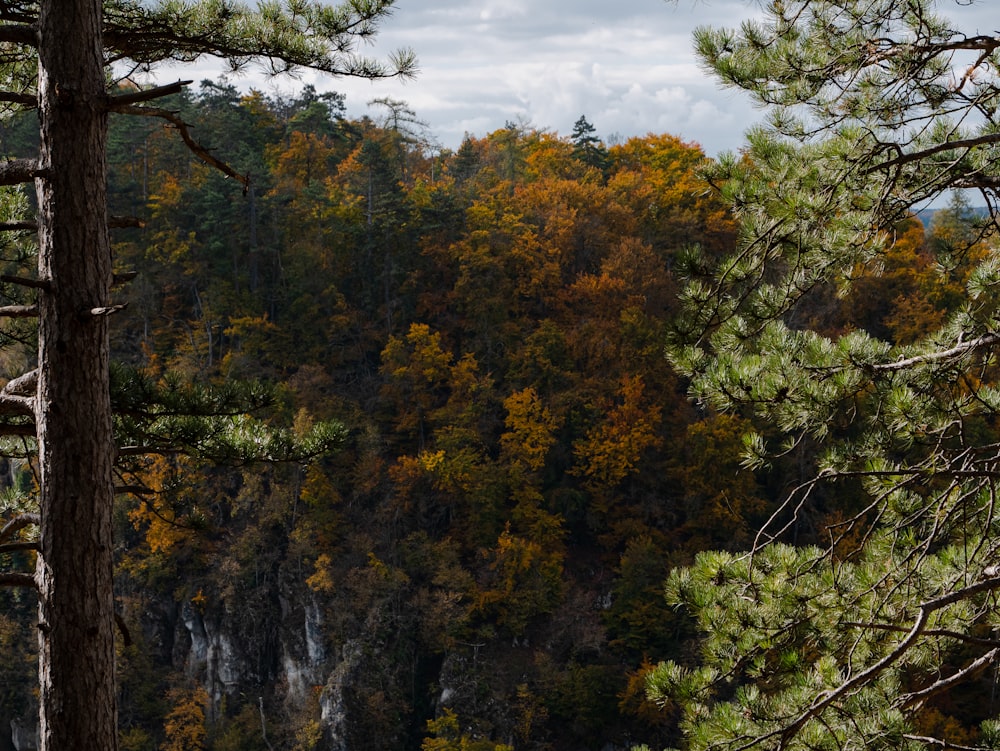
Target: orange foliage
pixel 613 448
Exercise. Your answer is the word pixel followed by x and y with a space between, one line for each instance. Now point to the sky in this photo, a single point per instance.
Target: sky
pixel 627 65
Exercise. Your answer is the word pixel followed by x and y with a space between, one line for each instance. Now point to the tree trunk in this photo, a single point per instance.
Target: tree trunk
pixel 73 410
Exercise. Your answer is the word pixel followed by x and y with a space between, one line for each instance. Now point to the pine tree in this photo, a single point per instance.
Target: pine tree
pixel 587 146
pixel 874 107
pixel 66 402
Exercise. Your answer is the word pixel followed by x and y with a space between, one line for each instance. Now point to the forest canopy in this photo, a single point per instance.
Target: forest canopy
pixel 481 564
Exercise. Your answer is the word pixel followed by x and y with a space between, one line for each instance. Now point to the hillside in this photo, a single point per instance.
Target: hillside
pixel 482 563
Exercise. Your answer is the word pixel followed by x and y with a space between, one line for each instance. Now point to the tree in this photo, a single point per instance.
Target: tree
pixel 860 639
pixel 66 402
pixel 587 146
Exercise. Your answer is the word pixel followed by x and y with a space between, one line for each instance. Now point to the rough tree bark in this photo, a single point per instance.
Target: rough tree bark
pixel 73 410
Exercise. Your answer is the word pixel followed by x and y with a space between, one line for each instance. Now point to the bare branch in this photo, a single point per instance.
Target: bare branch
pixel 958 350
pixel 944 684
pixel 18 580
pixel 25 281
pixel 18 523
pixel 109 310
pixel 14 97
pixel 11 404
pixel 125 100
pixel 916 156
pixel 17 226
pixel 19 311
pixel 17 171
pixel 19 34
pixel 120 222
pixel 18 430
pixel 23 385
pixel 134 490
pixel 19 547
pixel 197 149
pixel 943 744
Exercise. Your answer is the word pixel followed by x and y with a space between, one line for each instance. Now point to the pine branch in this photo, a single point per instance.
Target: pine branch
pixel 18 226
pixel 196 148
pixel 826 698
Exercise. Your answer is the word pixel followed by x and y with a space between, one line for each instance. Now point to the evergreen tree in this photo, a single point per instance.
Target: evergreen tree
pixel 587 146
pixel 862 640
pixel 57 55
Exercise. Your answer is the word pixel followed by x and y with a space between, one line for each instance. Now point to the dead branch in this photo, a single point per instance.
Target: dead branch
pixel 18 547
pixel 13 404
pixel 19 311
pixel 18 580
pixel 109 310
pixel 24 281
pixel 126 100
pixel 18 523
pixel 18 226
pixel 942 744
pixel 19 33
pixel 18 430
pixel 122 222
pixel 23 385
pixel 958 350
pixel 981 662
pixel 134 490
pixel 196 148
pixel 17 171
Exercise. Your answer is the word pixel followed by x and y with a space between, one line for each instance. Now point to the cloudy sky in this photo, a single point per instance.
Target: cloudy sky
pixel 627 65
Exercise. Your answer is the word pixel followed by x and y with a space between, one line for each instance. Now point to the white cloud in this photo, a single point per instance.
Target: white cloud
pixel 628 66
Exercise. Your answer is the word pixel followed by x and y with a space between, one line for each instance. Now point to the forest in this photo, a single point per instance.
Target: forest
pixel 480 563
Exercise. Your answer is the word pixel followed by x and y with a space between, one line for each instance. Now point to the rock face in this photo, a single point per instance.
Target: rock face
pixel 333 701
pixel 24 735
pixel 212 656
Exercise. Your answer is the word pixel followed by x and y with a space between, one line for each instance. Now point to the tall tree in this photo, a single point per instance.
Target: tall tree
pixel 874 106
pixel 72 44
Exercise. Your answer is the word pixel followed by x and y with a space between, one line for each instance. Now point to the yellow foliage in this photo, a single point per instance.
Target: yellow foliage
pixel 184 726
pixel 530 429
pixel 322 577
pixel 449 737
pixel 612 449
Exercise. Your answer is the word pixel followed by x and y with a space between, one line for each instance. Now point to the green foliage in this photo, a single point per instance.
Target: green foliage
pixel 838 322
